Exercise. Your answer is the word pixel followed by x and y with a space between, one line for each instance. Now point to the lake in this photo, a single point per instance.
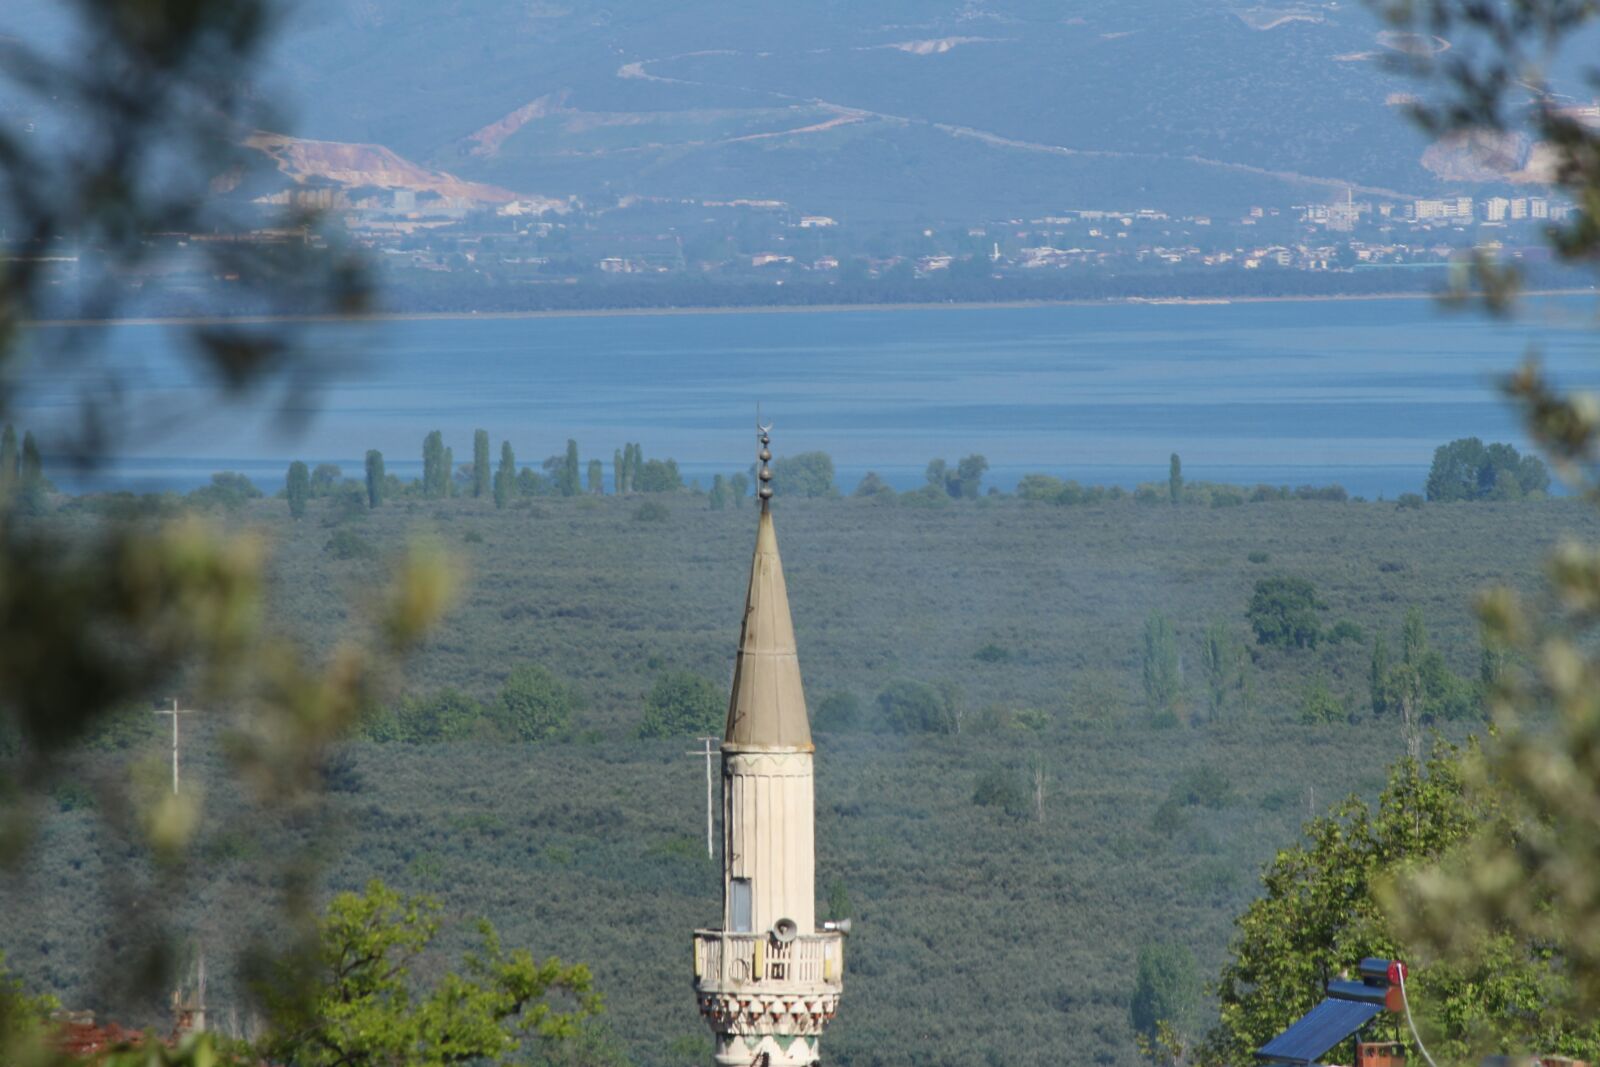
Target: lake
pixel 1354 392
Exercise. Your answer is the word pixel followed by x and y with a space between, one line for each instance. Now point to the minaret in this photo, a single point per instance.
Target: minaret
pixel 769 980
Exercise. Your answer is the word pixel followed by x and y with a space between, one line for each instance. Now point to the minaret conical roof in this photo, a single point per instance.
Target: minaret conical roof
pixel 768 706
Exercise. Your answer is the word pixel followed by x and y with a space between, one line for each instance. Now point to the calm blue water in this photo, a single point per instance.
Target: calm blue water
pixel 1354 392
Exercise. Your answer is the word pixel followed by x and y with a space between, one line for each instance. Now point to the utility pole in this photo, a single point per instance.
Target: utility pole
pixel 174 711
pixel 711 853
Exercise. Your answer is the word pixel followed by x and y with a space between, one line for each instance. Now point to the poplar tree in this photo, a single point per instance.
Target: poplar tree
pixel 568 478
pixel 1175 479
pixel 32 469
pixel 297 487
pixel 432 462
pixel 597 477
pixel 480 463
pixel 718 497
pixel 1161 677
pixel 447 474
pixel 616 472
pixel 1224 667
pixel 1378 675
pixel 375 478
pixel 8 459
pixel 1413 638
pixel 505 479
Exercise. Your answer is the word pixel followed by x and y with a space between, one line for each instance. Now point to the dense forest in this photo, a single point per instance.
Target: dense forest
pixel 1052 734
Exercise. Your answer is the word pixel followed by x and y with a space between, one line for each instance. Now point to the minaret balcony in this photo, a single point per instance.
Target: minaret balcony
pixel 753 961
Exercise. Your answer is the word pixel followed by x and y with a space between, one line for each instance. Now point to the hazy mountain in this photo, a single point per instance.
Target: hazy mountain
pixel 893 108
pixel 890 107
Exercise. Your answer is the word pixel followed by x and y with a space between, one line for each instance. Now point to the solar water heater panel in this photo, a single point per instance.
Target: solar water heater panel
pixel 1321 1028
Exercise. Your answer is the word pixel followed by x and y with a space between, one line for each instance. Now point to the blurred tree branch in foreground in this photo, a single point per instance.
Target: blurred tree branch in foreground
pixel 1540 883
pixel 148 102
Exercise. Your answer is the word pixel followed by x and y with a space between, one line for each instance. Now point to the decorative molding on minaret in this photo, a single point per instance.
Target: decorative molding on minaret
pixel 769 980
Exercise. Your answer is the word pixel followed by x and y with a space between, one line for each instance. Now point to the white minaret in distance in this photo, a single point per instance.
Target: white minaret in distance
pixel 770 979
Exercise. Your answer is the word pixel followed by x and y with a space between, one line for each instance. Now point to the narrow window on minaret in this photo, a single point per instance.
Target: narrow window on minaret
pixel 740 888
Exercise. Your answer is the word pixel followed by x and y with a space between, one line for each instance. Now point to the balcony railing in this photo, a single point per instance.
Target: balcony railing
pixel 723 959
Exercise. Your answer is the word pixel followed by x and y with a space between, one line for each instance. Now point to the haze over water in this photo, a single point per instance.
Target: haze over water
pixel 1354 392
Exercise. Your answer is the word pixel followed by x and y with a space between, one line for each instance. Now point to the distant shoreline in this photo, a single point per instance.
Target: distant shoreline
pixel 760 309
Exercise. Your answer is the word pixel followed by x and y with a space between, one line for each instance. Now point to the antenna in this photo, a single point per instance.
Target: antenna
pixel 706 752
pixel 175 711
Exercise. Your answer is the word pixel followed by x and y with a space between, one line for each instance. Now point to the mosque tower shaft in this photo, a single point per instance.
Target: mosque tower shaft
pixel 769 980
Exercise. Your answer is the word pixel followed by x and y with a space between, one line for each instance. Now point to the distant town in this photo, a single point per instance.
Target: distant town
pixel 437 252
pixel 771 241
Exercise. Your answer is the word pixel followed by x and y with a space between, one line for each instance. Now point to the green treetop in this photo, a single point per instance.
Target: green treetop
pixel 1283 611
pixel 682 703
pixel 806 474
pixel 365 1007
pixel 1166 990
pixel 534 704
pixel 1467 469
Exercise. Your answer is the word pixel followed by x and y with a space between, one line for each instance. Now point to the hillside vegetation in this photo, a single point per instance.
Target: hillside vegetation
pixel 1005 856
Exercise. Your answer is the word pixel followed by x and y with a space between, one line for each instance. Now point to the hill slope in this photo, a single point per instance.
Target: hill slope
pixel 946 108
pixel 949 109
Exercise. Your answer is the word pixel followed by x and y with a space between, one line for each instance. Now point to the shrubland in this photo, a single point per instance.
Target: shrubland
pixel 1050 740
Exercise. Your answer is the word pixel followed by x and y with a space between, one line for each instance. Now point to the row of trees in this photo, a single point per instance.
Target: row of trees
pixel 563 474
pixel 1462 470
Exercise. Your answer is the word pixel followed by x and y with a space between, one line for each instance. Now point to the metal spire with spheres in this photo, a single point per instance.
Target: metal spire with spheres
pixel 764 435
